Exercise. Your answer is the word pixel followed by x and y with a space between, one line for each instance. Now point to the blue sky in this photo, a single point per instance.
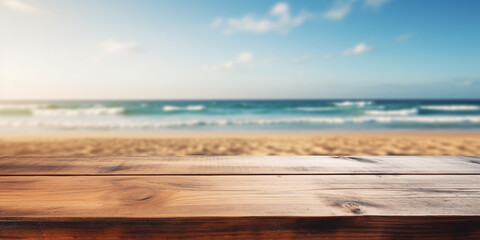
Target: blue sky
pixel 118 49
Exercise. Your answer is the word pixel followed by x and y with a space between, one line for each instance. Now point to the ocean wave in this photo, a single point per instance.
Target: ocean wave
pixel 379 119
pixel 313 109
pixel 451 107
pixel 94 111
pixel 354 103
pixel 187 108
pixel 401 112
pixel 151 124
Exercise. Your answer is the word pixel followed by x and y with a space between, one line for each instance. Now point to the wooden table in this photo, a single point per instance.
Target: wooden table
pixel 304 197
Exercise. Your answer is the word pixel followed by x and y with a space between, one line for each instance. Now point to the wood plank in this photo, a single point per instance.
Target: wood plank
pixel 360 227
pixel 200 165
pixel 239 196
pixel 312 197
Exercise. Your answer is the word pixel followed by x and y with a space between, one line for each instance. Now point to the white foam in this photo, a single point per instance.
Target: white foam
pixel 188 108
pixel 401 112
pixel 75 123
pixel 354 103
pixel 94 111
pixel 452 107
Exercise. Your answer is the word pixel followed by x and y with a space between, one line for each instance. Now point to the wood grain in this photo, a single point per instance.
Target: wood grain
pixel 239 196
pixel 302 197
pixel 200 165
pixel 358 228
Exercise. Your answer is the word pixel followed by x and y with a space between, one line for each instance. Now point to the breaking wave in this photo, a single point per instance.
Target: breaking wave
pixel 238 115
pixel 150 124
pixel 402 112
pixel 354 103
pixel 452 107
pixel 94 111
pixel 187 108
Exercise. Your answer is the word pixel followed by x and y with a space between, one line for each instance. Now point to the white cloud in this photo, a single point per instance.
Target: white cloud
pixel 230 65
pixel 217 22
pixel 18 6
pixel 279 20
pixel 113 46
pixel 358 49
pixel 280 9
pixel 376 3
pixel 301 59
pixel 245 57
pixel 468 82
pixel 403 37
pixel 339 10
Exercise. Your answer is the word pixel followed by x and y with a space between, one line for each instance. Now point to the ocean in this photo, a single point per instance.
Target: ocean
pixel 241 115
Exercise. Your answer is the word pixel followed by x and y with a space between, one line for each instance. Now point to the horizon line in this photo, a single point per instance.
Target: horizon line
pixel 236 99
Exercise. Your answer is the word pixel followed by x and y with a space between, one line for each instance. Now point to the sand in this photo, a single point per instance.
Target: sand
pixel 156 144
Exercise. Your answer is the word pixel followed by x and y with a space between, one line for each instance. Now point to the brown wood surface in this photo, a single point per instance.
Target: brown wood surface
pixel 240 198
pixel 346 228
pixel 200 165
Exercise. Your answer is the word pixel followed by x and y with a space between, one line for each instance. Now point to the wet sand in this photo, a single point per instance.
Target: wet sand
pixel 159 144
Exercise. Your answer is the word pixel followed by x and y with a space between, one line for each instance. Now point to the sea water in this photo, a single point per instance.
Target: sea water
pixel 241 115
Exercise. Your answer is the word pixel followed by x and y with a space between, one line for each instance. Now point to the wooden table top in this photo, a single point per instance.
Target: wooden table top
pixel 240 197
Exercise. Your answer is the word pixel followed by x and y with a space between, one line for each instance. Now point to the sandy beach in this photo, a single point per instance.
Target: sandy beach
pixel 158 144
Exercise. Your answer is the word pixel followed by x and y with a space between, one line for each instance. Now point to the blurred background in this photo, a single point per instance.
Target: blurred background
pixel 374 77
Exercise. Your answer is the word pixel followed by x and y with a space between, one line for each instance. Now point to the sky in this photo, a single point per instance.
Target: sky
pixel 155 49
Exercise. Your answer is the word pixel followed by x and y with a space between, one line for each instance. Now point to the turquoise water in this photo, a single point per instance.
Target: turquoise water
pixel 240 115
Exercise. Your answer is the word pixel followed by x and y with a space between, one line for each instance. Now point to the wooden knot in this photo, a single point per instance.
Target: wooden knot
pixel 138 194
pixel 354 206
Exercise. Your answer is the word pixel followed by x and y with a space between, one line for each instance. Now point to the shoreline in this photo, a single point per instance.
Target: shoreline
pixel 215 134
pixel 239 143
